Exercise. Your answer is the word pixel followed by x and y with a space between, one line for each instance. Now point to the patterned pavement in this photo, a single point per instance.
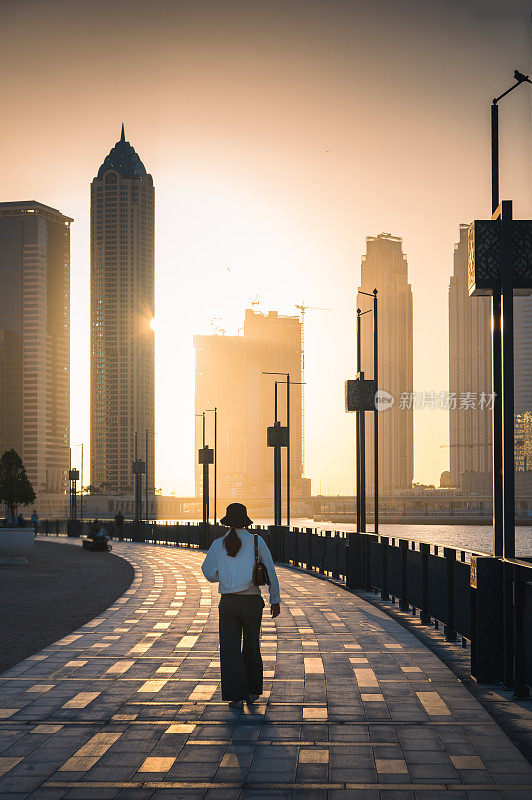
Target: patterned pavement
pixel 355 706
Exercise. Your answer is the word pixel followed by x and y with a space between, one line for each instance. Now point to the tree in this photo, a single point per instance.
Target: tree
pixel 15 487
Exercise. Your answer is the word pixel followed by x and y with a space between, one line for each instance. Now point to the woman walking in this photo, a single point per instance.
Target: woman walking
pixel 240 562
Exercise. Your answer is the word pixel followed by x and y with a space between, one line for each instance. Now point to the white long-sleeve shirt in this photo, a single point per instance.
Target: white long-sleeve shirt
pixel 235 573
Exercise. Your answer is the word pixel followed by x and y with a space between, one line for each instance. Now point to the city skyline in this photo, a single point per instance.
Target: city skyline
pixel 258 194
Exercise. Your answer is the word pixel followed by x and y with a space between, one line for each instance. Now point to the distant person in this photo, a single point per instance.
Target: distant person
pixel 100 541
pixel 102 536
pixel 21 521
pixel 35 521
pixel 238 561
pixel 119 524
pixel 94 529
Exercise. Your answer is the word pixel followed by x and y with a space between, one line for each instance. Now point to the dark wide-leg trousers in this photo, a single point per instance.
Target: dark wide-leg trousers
pixel 240 617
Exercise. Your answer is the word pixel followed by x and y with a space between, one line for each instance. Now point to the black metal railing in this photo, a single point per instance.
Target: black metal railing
pixel 476 598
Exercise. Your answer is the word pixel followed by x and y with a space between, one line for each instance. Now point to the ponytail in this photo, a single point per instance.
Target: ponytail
pixel 232 543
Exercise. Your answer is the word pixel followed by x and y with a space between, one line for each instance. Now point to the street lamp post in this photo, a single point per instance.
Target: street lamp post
pixel 205 476
pixel 288 384
pixel 360 396
pixel 81 487
pixel 205 457
pixel 277 448
pixel 146 478
pixel 375 415
pixel 372 294
pixel 361 443
pixel 73 476
pixel 277 437
pixel 147 512
pixel 503 357
pixel 215 410
pixel 499 259
pixel 139 468
pixel 80 476
pixel 277 485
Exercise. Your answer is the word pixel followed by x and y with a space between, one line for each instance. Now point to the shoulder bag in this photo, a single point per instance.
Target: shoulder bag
pixel 260 573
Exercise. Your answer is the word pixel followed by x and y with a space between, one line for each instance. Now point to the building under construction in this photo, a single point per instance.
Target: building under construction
pixel 229 376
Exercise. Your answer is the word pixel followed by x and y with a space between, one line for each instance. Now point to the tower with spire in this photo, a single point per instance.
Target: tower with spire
pixel 122 308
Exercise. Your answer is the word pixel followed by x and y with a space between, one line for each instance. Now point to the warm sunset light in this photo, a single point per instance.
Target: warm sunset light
pixel 266 399
pixel 273 155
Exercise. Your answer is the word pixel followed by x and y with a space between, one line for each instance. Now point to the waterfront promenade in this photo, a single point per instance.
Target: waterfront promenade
pixel 355 706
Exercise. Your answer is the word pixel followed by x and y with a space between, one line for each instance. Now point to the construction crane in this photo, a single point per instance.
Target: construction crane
pixel 303 308
pixel 255 302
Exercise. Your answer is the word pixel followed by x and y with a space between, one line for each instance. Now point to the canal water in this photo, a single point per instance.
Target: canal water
pixel 464 537
pixel 478 538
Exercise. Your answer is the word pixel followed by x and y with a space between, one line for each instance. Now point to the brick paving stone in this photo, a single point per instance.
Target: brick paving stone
pixel 129 705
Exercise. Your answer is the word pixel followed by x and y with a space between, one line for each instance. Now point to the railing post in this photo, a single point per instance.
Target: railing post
pixel 309 537
pixel 204 536
pixel 450 558
pixel 487 652
pixel 521 691
pixel 368 538
pixel 324 552
pixel 354 560
pixel 274 541
pixel 384 556
pixel 424 615
pixel 403 601
pixel 508 624
pixel 136 532
pixel 336 571
pixel 277 540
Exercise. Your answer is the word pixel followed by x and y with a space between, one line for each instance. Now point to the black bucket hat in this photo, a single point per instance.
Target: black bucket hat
pixel 236 516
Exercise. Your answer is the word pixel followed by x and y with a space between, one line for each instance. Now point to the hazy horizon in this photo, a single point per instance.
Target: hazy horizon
pixel 278 136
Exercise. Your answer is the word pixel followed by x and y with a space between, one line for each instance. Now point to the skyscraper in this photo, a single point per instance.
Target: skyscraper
pixel 385 268
pixel 35 340
pixel 122 308
pixel 469 370
pixel 229 376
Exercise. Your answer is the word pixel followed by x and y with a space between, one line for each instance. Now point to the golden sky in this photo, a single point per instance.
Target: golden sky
pixel 279 134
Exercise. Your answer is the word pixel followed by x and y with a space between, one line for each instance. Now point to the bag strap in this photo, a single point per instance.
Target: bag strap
pixel 256 543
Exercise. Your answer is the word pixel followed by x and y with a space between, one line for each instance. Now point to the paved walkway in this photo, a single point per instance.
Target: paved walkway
pixel 355 706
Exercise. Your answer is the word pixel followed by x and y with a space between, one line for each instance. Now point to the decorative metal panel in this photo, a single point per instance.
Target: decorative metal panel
pixel 206 455
pixel 360 394
pixel 277 436
pixel 484 256
pixel 522 242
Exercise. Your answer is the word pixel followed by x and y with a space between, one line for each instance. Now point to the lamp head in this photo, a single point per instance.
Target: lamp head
pixel 520 77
